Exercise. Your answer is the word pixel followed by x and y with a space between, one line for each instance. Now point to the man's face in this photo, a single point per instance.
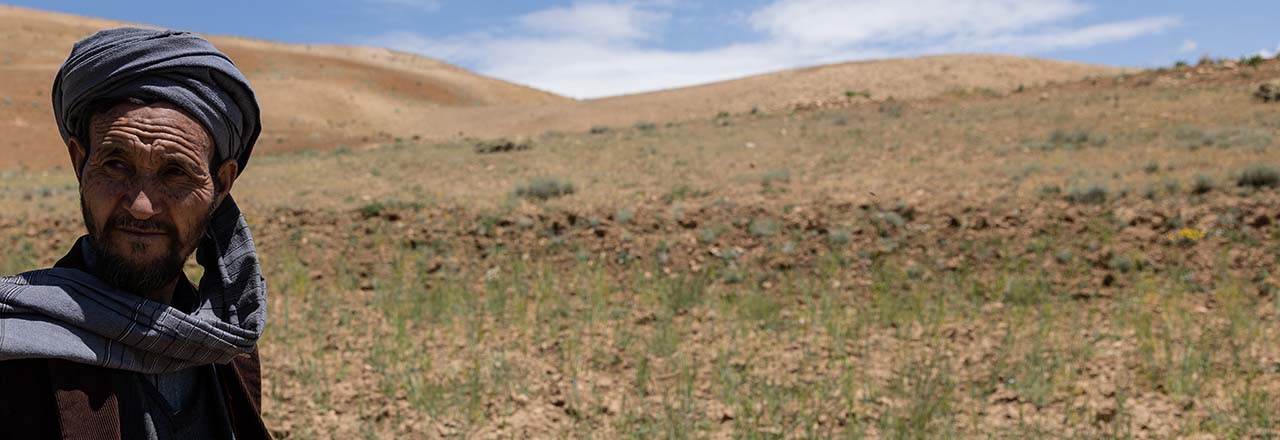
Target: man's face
pixel 146 192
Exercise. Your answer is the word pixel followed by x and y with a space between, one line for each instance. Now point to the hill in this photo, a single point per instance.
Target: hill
pixel 811 87
pixel 312 96
pixel 325 97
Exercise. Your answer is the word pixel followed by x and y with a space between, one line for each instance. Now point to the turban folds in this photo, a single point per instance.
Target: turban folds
pixel 173 66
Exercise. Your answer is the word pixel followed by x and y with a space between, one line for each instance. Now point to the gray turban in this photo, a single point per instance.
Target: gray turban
pixel 177 67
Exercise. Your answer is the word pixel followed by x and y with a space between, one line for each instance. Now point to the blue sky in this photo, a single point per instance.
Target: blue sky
pixel 592 48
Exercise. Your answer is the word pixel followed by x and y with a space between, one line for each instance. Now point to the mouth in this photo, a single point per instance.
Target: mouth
pixel 141 232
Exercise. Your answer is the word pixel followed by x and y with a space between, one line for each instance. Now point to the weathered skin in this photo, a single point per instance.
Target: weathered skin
pixel 146 188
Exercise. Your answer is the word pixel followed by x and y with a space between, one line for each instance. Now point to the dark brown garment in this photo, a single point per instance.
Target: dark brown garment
pixel 57 399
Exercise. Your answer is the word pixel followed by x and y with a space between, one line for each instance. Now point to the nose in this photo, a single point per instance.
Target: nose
pixel 141 207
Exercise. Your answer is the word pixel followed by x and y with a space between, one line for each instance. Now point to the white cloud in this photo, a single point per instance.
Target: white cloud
pixel 608 21
pixel 1270 53
pixel 842 22
pixel 598 48
pixel 1088 36
pixel 1188 46
pixel 422 5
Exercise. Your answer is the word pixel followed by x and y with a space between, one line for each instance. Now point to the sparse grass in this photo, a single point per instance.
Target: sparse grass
pixel 544 188
pixel 1193 138
pixel 1074 139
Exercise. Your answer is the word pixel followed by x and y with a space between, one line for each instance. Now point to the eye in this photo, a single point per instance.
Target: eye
pixel 115 165
pixel 175 172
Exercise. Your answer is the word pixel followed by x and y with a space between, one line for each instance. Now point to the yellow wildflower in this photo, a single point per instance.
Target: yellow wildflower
pixel 1186 236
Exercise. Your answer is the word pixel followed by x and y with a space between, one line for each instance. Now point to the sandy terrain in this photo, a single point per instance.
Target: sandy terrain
pixel 326 97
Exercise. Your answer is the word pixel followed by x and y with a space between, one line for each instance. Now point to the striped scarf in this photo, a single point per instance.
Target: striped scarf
pixel 69 314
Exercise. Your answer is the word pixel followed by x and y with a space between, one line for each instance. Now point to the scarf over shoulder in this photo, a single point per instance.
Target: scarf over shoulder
pixel 69 314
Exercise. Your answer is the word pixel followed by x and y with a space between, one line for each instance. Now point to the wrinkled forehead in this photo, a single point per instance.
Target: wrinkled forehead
pixel 159 124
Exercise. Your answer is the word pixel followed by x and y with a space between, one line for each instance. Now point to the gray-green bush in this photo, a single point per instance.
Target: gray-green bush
pixel 544 188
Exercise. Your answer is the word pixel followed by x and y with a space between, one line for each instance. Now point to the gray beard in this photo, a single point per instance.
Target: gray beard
pixel 130 274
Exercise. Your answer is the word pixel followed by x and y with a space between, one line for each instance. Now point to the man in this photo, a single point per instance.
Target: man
pixel 114 342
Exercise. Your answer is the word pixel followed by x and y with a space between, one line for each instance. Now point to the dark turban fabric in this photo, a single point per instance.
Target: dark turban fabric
pixel 159 65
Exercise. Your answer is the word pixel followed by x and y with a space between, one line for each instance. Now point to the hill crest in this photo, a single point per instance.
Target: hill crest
pixel 328 96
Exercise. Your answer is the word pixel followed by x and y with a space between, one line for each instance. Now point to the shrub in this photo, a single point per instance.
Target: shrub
pixel 1122 264
pixel 1091 194
pixel 856 93
pixel 1150 192
pixel 624 215
pixel 646 126
pixel 838 237
pixel 1201 184
pixel 775 177
pixel 1259 176
pixel 681 192
pixel 599 129
pixel 1151 167
pixel 1050 189
pixel 544 188
pixel 1180 64
pixel 710 234
pixel 372 209
pixel 1075 139
pixel 763 227
pixel 380 208
pixel 892 218
pixel 892 107
pixel 1253 61
pixel 502 145
pixel 1268 91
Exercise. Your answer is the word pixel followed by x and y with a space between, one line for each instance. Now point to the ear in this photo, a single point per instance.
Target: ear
pixel 226 177
pixel 78 155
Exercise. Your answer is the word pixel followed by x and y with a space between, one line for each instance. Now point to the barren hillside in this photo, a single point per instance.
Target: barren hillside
pixel 312 96
pixel 324 97
pixel 812 87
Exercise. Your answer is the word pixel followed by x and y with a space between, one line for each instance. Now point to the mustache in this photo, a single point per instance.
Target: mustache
pixel 126 221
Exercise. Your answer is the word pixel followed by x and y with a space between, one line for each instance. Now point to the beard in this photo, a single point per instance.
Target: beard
pixel 128 271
